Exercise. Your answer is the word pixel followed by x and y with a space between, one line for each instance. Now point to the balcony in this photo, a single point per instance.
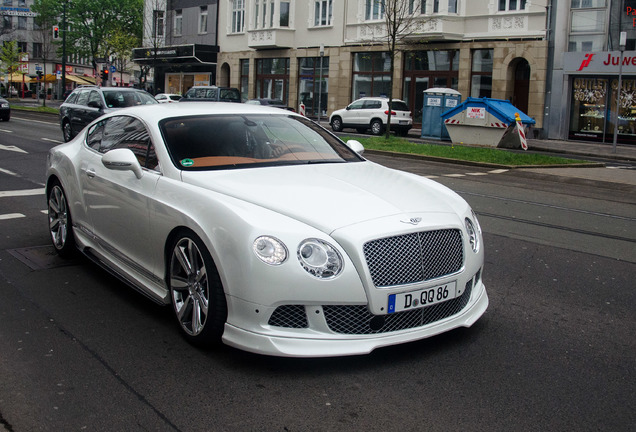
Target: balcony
pixel 270 38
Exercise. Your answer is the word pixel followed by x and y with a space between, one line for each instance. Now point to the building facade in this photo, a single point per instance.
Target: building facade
pixel 586 65
pixel 295 49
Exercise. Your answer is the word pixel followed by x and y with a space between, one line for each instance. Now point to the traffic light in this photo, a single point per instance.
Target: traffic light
pixel 104 74
pixel 56 32
pixel 39 73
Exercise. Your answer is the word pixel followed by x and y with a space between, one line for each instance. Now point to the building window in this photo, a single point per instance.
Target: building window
pixel 263 13
pixel 587 4
pixel 322 12
pixel 312 82
pixel 272 78
pixel 238 16
pixel 7 22
pixel 245 78
pixel 158 23
pixel 452 6
pixel 178 22
pixel 374 10
pixel 587 25
pixel 414 5
pixel 481 73
pixel 22 23
pixel 371 74
pixel 203 19
pixel 37 50
pixel 7 3
pixel 284 14
pixel 512 5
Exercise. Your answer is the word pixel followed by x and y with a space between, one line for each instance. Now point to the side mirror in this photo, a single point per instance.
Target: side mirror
pixel 356 146
pixel 348 107
pixel 122 160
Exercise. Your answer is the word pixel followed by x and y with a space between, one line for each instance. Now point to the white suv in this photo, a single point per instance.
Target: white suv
pixel 372 113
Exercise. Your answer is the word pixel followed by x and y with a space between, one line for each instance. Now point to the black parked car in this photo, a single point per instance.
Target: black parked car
pixel 86 103
pixel 5 110
pixel 212 94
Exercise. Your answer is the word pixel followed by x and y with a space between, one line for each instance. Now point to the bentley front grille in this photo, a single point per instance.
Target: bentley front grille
pixel 290 316
pixel 415 257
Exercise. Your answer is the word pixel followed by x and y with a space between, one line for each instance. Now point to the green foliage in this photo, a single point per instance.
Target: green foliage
pixel 10 57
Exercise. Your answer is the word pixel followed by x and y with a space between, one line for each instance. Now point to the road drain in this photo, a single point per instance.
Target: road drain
pixel 41 257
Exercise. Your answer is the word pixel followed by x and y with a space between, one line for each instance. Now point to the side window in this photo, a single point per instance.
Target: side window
pixel 129 132
pixel 357 105
pixel 72 98
pixel 94 100
pixel 95 135
pixel 82 98
pixel 371 104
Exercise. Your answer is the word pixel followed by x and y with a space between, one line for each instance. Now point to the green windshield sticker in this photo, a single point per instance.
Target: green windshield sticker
pixel 187 162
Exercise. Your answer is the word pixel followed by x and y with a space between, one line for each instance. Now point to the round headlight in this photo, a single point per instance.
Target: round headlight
pixel 473 235
pixel 319 258
pixel 270 250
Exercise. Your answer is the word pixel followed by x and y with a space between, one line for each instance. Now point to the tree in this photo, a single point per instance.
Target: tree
pixel 402 21
pixel 122 45
pixel 10 57
pixel 91 24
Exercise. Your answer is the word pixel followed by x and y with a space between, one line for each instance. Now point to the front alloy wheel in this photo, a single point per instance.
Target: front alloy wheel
pixel 60 223
pixel 196 293
pixel 67 131
pixel 336 124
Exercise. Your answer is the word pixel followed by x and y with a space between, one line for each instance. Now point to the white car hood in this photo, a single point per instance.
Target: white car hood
pixel 331 196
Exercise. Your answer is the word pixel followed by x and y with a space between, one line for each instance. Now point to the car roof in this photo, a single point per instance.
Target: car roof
pixel 156 112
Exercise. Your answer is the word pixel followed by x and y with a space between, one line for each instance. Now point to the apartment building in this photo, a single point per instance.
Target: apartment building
pixel 585 66
pixel 482 48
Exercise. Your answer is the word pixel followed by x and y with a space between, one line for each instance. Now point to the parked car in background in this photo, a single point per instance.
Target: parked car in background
pixel 87 103
pixel 167 97
pixel 262 229
pixel 270 102
pixel 372 113
pixel 212 94
pixel 5 110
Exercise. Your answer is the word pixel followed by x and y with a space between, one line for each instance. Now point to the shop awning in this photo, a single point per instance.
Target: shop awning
pixel 77 80
pixel 16 77
pixel 90 80
pixel 194 53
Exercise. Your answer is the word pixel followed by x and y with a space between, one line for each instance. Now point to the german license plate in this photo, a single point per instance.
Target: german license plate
pixel 422 298
pixel 404 121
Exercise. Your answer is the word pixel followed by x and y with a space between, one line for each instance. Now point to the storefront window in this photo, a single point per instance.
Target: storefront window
pixel 481 73
pixel 371 75
pixel 311 81
pixel 272 78
pixel 626 110
pixel 588 108
pixel 245 78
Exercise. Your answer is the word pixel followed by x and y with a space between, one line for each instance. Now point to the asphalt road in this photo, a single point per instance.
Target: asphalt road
pixel 554 351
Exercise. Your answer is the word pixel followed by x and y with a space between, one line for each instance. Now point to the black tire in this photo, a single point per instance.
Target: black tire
pixel 6 118
pixel 361 130
pixel 376 127
pixel 60 221
pixel 196 292
pixel 67 131
pixel 336 124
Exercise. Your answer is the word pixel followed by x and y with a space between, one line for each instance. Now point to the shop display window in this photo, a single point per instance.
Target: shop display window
pixel 588 108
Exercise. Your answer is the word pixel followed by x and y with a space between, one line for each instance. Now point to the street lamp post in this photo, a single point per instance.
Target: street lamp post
pixel 63 50
pixel 621 44
pixel 322 54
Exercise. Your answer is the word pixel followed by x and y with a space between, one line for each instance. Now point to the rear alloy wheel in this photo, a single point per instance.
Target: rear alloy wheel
pixel 196 291
pixel 67 131
pixel 60 222
pixel 336 124
pixel 376 127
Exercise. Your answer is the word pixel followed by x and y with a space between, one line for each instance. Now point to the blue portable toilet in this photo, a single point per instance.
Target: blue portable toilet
pixel 482 121
pixel 436 101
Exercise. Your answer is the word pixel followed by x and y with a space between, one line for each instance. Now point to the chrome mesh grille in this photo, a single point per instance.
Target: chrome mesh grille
pixel 415 257
pixel 290 316
pixel 357 319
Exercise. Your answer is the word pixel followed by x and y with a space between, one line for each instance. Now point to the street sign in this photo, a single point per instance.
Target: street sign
pixel 113 69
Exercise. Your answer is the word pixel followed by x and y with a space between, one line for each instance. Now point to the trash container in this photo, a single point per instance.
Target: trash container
pixel 482 121
pixel 436 101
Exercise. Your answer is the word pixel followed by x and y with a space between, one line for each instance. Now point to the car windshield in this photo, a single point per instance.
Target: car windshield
pixel 242 141
pixel 122 99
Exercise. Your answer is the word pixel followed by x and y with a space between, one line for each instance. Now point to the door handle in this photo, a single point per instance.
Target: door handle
pixel 90 173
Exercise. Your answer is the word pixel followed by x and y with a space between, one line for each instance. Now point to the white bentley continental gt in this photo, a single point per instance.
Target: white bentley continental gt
pixel 265 231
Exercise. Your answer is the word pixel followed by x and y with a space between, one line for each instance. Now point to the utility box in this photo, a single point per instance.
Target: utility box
pixel 437 100
pixel 482 121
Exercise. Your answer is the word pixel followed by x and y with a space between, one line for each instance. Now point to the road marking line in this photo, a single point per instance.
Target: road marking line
pixel 11 216
pixel 31 120
pixel 52 140
pixel 24 192
pixel 477 174
pixel 498 171
pixel 12 148
pixel 5 130
pixel 431 176
pixel 4 171
pixel 454 175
